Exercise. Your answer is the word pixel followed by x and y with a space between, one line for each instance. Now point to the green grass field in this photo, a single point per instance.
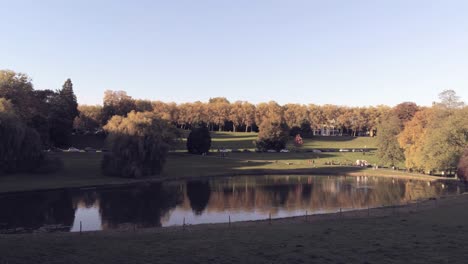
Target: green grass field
pixel 83 169
pixel 432 232
pixel 240 140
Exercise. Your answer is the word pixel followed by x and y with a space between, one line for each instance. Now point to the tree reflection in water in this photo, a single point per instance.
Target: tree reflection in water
pixel 198 192
pixel 142 206
pixel 207 201
pixel 31 211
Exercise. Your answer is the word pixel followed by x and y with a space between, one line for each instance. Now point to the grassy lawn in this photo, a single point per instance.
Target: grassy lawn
pixel 83 169
pixel 433 232
pixel 240 140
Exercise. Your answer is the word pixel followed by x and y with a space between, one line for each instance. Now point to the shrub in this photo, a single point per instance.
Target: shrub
pixel 272 135
pixel 138 144
pixel 199 141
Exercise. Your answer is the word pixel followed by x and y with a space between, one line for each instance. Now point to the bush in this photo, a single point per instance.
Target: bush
pixel 138 144
pixel 20 146
pixel 271 135
pixel 199 141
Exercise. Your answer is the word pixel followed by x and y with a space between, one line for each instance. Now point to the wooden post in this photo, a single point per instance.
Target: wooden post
pixel 183 225
pixel 229 220
pixel 81 227
pixel 269 219
pixel 341 213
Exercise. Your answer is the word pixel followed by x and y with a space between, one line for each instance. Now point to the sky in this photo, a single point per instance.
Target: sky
pixel 355 53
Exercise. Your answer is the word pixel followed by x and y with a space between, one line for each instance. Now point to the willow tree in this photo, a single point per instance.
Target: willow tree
pixel 272 135
pixel 20 146
pixel 139 145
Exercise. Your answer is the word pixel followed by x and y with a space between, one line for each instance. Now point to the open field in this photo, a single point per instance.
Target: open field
pixel 240 140
pixel 430 232
pixel 83 169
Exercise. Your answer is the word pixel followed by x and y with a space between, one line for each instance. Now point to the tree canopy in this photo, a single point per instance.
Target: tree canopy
pixel 138 143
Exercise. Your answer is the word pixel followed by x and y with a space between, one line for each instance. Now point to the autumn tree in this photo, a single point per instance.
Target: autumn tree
pixel 89 119
pixel 116 103
pixel 139 145
pixel 219 111
pixel 316 117
pixel 412 139
pixel 295 115
pixel 143 106
pixel 405 111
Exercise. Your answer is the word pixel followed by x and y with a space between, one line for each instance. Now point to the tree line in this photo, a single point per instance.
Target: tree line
pixel 141 132
pixel 219 114
pixel 428 139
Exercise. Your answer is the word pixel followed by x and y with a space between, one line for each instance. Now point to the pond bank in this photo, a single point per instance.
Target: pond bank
pixel 433 231
pixel 112 182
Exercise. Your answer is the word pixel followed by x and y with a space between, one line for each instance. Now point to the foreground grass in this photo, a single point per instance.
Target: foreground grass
pixel 433 232
pixel 83 169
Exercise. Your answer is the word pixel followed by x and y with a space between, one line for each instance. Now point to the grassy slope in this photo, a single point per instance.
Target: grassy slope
pixel 428 233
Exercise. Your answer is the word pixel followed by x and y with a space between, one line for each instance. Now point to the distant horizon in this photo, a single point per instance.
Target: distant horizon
pixel 353 53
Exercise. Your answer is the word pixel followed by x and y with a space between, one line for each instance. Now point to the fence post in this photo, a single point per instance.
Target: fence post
pixel 183 225
pixel 229 220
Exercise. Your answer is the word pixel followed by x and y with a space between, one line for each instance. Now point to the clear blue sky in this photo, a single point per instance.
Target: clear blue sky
pixel 340 52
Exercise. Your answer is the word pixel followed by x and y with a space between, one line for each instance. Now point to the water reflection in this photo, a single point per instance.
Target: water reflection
pixel 241 198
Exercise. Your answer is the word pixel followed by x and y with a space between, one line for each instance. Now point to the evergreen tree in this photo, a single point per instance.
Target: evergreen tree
pixel 68 96
pixel 63 111
pixel 199 140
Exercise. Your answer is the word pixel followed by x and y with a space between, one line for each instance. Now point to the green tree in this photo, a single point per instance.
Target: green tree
pixel 445 140
pixel 17 88
pixel 389 151
pixel 272 135
pixel 199 140
pixel 139 145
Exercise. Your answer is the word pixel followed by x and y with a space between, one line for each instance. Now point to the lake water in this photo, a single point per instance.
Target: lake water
pixel 206 201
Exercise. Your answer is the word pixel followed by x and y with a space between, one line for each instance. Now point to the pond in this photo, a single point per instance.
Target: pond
pixel 206 201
